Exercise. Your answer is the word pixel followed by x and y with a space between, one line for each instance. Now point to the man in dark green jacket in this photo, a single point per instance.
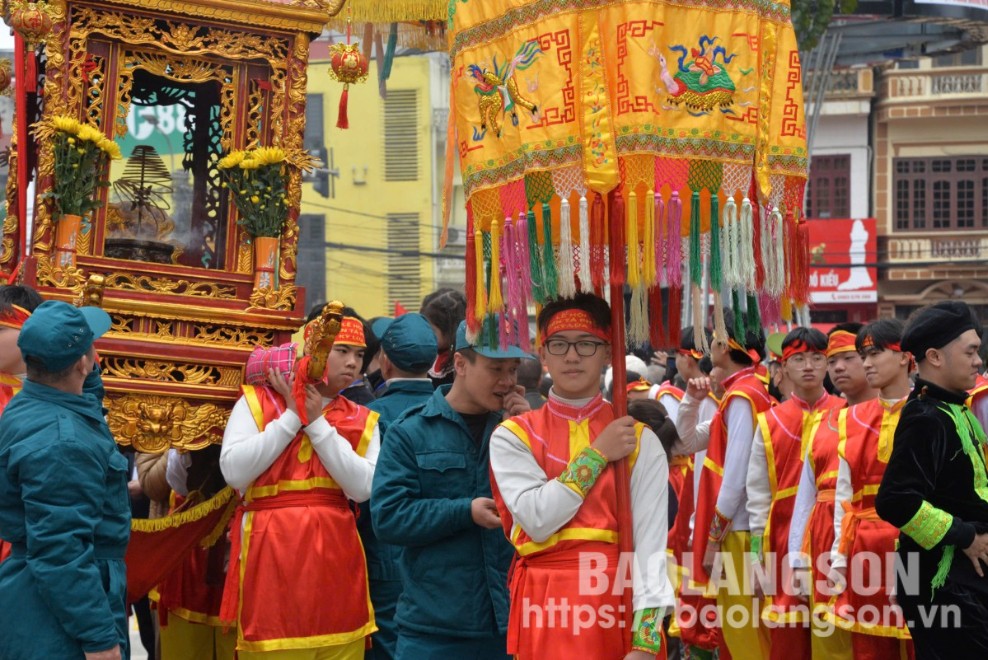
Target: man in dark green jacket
pixel 432 495
pixel 63 499
pixel 408 349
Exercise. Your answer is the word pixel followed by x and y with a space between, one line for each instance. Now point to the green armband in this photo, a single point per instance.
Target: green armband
pixel 648 631
pixel 928 526
pixel 583 471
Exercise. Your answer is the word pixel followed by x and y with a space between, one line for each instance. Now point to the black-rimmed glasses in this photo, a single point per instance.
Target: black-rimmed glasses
pixel 584 347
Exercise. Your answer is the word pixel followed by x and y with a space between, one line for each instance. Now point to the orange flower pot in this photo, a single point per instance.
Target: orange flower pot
pixel 66 235
pixel 266 262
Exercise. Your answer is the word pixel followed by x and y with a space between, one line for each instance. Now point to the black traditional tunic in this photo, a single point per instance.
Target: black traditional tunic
pixel 935 490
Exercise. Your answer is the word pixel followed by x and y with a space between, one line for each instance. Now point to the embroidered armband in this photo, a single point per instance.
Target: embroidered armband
pixel 719 526
pixel 648 631
pixel 928 526
pixel 756 548
pixel 582 472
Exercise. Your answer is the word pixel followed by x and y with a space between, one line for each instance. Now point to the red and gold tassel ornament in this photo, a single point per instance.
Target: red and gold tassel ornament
pixel 349 65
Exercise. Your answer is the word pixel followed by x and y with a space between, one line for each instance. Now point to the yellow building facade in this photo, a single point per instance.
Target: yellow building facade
pixel 370 220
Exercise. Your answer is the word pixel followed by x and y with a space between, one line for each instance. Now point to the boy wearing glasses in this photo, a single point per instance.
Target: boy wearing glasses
pixel 774 471
pixel 866 434
pixel 556 491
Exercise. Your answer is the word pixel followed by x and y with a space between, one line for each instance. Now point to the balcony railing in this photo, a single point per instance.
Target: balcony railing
pixel 844 83
pixel 955 83
pixel 944 247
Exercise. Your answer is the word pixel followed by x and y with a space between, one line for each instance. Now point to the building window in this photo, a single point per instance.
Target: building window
pixel 311 258
pixel 950 193
pixel 401 145
pixel 404 260
pixel 828 193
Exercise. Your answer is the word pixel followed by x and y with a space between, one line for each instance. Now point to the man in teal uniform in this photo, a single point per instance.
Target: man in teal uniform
pixel 408 349
pixel 432 495
pixel 63 499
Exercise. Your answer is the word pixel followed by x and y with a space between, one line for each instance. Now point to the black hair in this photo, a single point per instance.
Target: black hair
pixel 686 338
pixel 445 308
pixel 654 415
pixel 812 337
pixel 530 373
pixel 882 333
pixel 20 295
pixel 706 365
pixel 596 307
pixel 39 373
pixel 750 340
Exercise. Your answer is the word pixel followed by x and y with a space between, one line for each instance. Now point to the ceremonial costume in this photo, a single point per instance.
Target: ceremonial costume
pixel 294 540
pixel 935 490
pixel 866 432
pixel 721 507
pixel 783 435
pixel 557 498
pixel 811 532
pixel 435 462
pixel 978 401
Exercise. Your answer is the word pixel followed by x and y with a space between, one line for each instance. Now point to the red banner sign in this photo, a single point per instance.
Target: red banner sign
pixel 843 254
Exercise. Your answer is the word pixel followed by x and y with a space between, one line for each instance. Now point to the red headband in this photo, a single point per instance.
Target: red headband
pixel 351 333
pixel 750 352
pixel 640 385
pixel 14 318
pixel 797 347
pixel 576 320
pixel 840 341
pixel 691 352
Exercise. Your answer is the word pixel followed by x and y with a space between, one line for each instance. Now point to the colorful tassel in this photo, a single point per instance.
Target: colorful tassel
pixel 638 317
pixel 696 263
pixel 343 119
pixel 550 276
pixel 756 238
pixel 511 283
pixel 567 283
pixel 778 252
pixel 617 221
pixel 799 272
pixel 716 265
pixel 675 322
pixel 649 244
pixel 481 275
pixel 471 277
pixel 674 244
pixel 535 260
pixel 584 258
pixel 634 264
pixel 522 262
pixel 598 245
pixel 389 54
pixel 746 231
pixel 739 314
pixel 657 330
pixel 495 302
pixel 754 320
pixel 661 258
pixel 699 309
pixel 730 245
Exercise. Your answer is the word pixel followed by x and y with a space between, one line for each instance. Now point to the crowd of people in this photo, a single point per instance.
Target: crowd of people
pixel 429 498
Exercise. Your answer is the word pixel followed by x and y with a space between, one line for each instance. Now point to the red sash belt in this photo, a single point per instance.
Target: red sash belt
pixel 826 495
pixel 231 590
pixel 849 525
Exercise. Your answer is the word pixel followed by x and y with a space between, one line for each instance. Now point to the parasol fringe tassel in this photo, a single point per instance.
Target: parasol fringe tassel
pixel 716 266
pixel 584 258
pixel 675 322
pixel 523 285
pixel 634 265
pixel 567 283
pixel 598 249
pixel 720 325
pixel 657 330
pixel 495 302
pixel 732 246
pixel 649 274
pixel 550 276
pixel 481 291
pixel 746 231
pixel 471 276
pixel 696 261
pixel 535 260
pixel 512 283
pixel 674 243
pixel 660 240
pixel 638 334
pixel 699 336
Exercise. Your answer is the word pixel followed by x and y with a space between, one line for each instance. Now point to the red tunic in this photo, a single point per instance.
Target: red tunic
pixel 745 384
pixel 866 433
pixel 9 386
pixel 301 579
pixel 819 537
pixel 786 433
pixel 549 572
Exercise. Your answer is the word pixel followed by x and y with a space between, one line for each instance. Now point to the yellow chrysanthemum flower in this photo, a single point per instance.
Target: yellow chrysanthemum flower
pixel 89 134
pixel 65 124
pixel 268 155
pixel 249 164
pixel 231 160
pixel 110 148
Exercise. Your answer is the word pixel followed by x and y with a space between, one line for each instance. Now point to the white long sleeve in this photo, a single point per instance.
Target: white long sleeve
pixel 732 499
pixel 247 451
pixel 844 492
pixel 805 501
pixel 177 471
pixel 694 432
pixel 671 404
pixel 757 486
pixel 539 505
pixel 354 473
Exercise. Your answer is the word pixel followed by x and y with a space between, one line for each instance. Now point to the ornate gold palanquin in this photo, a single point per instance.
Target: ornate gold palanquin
pixel 182 330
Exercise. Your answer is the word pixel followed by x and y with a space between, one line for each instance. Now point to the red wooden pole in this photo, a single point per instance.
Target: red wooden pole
pixel 619 395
